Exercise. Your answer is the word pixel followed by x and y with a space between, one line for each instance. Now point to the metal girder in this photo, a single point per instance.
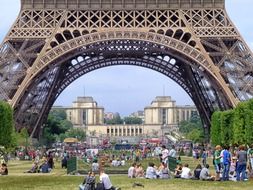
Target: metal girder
pixel 126 53
pixel 211 62
pixel 120 4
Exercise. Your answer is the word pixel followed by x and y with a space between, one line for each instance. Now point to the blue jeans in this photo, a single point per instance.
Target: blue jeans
pixel 241 169
pixel 225 174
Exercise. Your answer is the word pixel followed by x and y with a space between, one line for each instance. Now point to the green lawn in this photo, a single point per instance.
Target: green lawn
pixel 58 180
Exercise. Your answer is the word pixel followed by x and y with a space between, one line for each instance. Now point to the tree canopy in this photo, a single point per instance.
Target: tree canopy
pixel 192 129
pixel 233 127
pixel 132 120
pixel 7 132
pixel 114 121
pixel 56 125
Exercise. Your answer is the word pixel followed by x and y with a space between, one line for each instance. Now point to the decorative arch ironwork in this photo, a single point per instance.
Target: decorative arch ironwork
pixel 184 70
pixel 199 35
pixel 176 45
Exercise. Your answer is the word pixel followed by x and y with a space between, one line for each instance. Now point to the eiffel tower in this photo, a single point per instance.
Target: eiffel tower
pixel 54 42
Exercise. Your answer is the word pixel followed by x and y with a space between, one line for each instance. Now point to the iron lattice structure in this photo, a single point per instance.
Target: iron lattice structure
pixel 54 42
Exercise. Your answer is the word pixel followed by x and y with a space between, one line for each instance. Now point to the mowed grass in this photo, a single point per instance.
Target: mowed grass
pixel 58 180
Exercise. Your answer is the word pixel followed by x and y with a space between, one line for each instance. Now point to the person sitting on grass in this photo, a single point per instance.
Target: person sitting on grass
pixel 151 172
pixel 3 169
pixel 163 171
pixel 44 168
pixel 197 171
pixel 205 174
pixel 132 171
pixel 105 182
pixel 186 172
pixel 114 163
pixel 34 169
pixel 178 171
pixel 139 171
pixel 89 182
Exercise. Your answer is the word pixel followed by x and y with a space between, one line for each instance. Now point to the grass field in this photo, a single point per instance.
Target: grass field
pixel 58 180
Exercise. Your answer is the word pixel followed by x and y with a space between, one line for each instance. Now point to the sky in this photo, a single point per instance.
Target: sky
pixel 126 89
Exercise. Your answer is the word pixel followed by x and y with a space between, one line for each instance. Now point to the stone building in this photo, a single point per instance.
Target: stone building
pixel 85 112
pixel 164 111
pixel 160 118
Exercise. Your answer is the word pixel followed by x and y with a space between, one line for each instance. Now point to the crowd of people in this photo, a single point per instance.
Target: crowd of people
pixel 229 164
pixel 232 164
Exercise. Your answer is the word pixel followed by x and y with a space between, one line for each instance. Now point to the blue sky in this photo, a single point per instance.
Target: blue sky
pixel 126 89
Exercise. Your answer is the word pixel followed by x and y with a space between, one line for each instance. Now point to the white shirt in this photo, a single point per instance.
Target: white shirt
pixel 204 174
pixel 221 154
pixel 131 172
pixel 104 178
pixel 151 173
pixel 114 163
pixel 186 173
pixel 165 154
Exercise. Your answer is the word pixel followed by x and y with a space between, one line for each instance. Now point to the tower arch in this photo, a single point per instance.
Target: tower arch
pixel 52 43
pixel 182 64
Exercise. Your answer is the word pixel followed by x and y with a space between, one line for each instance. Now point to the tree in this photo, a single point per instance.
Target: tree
pixel 58 114
pixel 192 129
pixel 76 133
pixel 239 123
pixel 195 135
pixel 132 120
pixel 7 137
pixel 226 125
pixel 249 123
pixel 233 126
pixel 23 138
pixel 115 121
pixel 55 126
pixel 216 128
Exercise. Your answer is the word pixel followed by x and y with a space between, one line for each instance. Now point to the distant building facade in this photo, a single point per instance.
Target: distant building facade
pixel 160 118
pixel 85 112
pixel 164 111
